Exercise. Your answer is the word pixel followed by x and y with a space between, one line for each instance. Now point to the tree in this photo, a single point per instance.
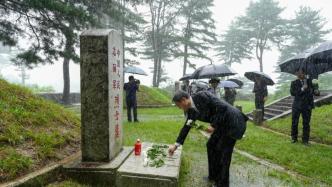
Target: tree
pixel 234 45
pixel 263 26
pixel 161 34
pixel 54 27
pixel 306 30
pixel 198 32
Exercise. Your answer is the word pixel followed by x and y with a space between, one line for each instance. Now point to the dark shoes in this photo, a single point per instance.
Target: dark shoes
pixel 294 140
pixel 136 121
pixel 306 143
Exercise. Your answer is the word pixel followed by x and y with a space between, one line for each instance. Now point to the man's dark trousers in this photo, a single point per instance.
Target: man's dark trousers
pixel 131 105
pixel 306 116
pixel 219 149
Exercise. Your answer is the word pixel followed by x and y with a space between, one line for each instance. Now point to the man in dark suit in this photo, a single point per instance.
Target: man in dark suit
pixel 260 90
pixel 303 103
pixel 227 125
pixel 230 94
pixel 131 88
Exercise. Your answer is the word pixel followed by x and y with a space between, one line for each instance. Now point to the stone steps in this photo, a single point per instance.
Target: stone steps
pixel 283 107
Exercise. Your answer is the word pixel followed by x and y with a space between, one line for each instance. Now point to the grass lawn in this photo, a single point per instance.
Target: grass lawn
pixel 314 161
pixel 247 106
pixel 321 125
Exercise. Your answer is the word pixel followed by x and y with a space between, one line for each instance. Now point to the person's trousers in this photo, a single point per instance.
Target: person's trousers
pixel 259 104
pixel 219 150
pixel 306 117
pixel 131 106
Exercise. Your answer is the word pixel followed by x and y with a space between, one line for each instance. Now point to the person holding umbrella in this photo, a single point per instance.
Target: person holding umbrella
pixel 302 90
pixel 230 94
pixel 214 87
pixel 228 124
pixel 131 88
pixel 261 93
pixel 261 81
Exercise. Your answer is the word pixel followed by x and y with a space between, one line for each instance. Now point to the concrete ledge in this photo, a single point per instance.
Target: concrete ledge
pixel 43 176
pixel 133 173
pixel 102 174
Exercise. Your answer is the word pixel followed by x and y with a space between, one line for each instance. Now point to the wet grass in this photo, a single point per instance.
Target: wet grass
pixel 247 106
pixel 321 128
pixel 314 161
pixel 32 131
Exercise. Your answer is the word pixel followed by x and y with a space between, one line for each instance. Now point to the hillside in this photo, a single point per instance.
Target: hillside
pixel 148 96
pixel 33 132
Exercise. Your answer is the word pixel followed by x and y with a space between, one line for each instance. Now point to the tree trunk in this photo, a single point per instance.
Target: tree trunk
pixel 261 59
pixel 185 59
pixel 66 82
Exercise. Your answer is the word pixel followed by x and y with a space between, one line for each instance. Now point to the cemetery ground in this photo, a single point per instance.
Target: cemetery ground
pixel 163 124
pixel 35 133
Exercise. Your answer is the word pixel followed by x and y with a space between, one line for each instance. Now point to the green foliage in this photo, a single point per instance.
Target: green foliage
pixel 263 26
pixel 305 31
pixel 234 45
pixel 13 163
pixel 156 155
pixel 198 31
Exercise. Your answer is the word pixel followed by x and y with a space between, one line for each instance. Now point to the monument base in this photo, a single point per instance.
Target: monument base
pixel 133 172
pixel 94 173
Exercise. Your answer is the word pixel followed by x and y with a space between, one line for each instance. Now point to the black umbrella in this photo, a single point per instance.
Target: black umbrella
pixel 186 77
pixel 320 60
pixel 237 81
pixel 292 65
pixel 252 74
pixel 134 70
pixel 212 70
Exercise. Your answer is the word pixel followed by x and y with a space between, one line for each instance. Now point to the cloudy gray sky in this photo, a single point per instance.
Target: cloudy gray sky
pixel 224 12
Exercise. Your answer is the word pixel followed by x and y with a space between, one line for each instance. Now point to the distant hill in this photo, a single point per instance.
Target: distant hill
pixel 33 132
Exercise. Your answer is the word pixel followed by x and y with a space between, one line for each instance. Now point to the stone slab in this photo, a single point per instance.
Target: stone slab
pixel 134 173
pixel 96 173
pixel 101 62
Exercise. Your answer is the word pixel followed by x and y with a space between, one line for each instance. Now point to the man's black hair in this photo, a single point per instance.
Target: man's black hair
pixel 131 78
pixel 179 95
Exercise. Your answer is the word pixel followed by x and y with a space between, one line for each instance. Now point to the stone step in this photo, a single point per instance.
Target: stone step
pixel 268 114
pixel 284 103
pixel 281 107
pixel 274 111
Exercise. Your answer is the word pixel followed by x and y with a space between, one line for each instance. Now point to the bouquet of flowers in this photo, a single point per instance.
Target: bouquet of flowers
pixel 315 87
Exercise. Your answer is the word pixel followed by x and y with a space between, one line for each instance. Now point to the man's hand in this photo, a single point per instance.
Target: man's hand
pixel 210 129
pixel 304 87
pixel 171 149
pixel 264 99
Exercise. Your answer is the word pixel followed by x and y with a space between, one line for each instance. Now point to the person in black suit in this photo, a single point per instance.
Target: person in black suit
pixel 303 103
pixel 228 124
pixel 260 90
pixel 131 88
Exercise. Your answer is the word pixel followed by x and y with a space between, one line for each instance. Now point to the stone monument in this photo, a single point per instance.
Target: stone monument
pixel 101 108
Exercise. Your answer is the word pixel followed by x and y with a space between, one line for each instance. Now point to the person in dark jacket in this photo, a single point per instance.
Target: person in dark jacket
pixel 230 94
pixel 260 90
pixel 228 124
pixel 131 88
pixel 303 103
